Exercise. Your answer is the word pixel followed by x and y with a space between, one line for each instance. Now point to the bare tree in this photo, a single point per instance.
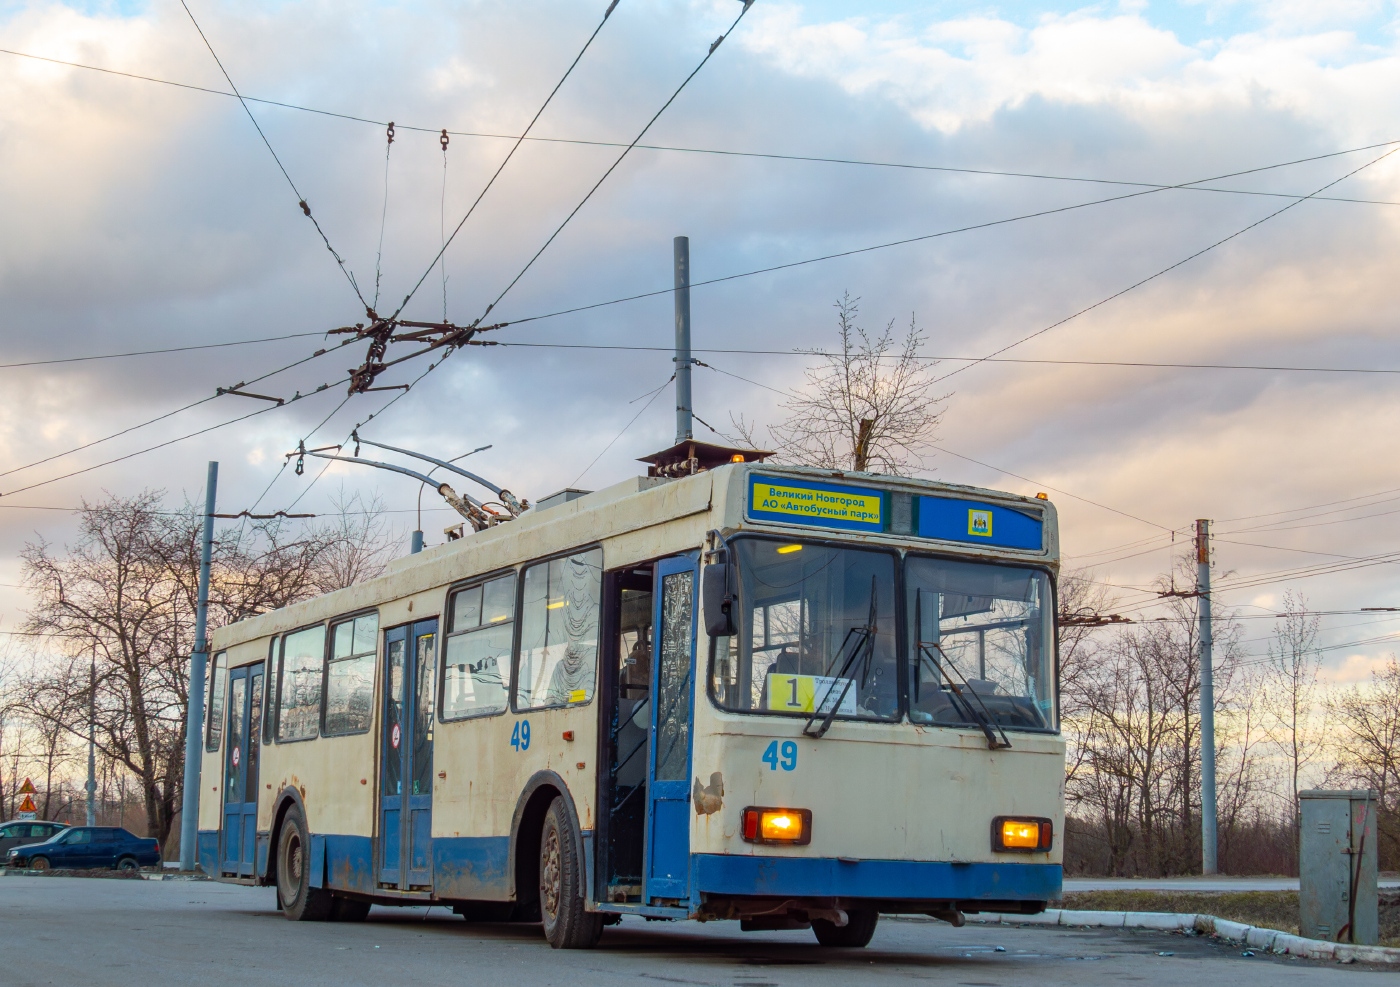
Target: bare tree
pixel 1367 746
pixel 123 599
pixel 1288 697
pixel 867 407
pixel 359 543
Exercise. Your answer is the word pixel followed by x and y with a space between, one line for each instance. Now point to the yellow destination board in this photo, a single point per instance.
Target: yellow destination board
pixel 824 504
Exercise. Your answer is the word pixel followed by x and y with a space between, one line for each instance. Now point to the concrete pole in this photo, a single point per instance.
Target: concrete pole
pixel 194 717
pixel 92 744
pixel 681 247
pixel 1208 839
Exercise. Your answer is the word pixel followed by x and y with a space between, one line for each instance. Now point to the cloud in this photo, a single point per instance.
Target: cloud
pixel 141 216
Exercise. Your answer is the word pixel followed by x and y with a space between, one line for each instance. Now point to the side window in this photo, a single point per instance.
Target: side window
pixel 477 658
pixel 559 631
pixel 215 710
pixel 350 675
pixel 78 836
pixel 269 719
pixel 299 688
pixel 105 836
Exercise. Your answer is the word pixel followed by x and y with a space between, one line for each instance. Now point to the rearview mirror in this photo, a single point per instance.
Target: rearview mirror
pixel 718 600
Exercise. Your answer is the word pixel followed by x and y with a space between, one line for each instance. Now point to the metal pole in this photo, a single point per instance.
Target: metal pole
pixel 194 716
pixel 681 247
pixel 92 743
pixel 1208 841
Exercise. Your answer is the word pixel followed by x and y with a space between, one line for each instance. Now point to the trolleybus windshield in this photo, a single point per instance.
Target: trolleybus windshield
pixel 817 628
pixel 986 630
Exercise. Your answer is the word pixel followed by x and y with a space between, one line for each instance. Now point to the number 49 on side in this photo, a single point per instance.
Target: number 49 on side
pixel 789 755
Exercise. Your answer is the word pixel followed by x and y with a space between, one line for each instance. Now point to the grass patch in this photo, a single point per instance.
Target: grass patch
pixel 1265 909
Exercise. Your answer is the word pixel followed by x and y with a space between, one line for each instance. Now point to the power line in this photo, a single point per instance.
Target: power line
pixel 817 159
pixel 301 199
pixel 942 233
pixel 511 153
pixel 954 359
pixel 714 46
pixel 1172 267
pixel 168 349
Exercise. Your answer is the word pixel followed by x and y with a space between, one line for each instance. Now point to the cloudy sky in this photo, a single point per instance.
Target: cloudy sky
pixel 143 216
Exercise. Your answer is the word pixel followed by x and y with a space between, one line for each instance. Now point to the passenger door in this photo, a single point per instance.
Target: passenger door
pixel 406 756
pixel 673 676
pixel 243 742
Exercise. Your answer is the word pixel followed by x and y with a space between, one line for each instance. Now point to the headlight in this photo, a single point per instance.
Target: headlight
pixel 777 826
pixel 1016 834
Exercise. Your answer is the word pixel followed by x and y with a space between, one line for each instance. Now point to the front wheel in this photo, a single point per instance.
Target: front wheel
pixel 38 863
pixel 857 932
pixel 567 924
pixel 300 901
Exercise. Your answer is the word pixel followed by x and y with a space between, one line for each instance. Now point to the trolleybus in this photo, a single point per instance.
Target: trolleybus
pixel 789 697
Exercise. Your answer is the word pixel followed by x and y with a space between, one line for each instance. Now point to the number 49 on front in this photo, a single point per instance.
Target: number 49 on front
pixel 785 755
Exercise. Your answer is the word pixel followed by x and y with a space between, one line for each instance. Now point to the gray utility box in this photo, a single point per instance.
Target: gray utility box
pixel 1337 867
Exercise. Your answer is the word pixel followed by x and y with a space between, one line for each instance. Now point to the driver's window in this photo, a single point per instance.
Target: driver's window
pixel 6 832
pixel 78 836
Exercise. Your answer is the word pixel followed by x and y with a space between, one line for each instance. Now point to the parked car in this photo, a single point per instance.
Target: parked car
pixel 28 831
pixel 88 846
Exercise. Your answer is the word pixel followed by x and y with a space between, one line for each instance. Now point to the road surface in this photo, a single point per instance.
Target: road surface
pixel 66 931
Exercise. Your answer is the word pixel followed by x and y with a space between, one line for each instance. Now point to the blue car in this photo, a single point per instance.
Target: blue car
pixel 86 847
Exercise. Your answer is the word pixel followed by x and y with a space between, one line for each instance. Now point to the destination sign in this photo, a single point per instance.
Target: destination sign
pixel 978 523
pixel 824 505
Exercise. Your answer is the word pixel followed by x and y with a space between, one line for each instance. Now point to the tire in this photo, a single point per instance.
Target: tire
pixel 128 865
pixel 567 925
pixel 300 901
pixel 348 909
pixel 38 863
pixel 856 933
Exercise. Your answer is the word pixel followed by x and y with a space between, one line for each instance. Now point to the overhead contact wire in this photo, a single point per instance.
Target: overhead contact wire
pixel 301 199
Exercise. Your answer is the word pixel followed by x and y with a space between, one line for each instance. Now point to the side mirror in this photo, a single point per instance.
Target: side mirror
pixel 718 600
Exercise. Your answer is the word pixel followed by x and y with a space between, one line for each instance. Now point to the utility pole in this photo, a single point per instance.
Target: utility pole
pixel 92 744
pixel 681 246
pixel 1208 862
pixel 194 716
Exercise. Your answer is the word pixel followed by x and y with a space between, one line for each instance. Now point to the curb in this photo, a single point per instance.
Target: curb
pixel 1267 939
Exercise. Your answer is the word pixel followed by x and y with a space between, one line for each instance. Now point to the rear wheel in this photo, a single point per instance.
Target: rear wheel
pixel 128 865
pixel 567 924
pixel 38 863
pixel 300 901
pixel 348 909
pixel 857 932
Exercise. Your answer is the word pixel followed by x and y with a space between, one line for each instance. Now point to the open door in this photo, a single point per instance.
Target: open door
pixel 406 748
pixel 241 755
pixel 668 789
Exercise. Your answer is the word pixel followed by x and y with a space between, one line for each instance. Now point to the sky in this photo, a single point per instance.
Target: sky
pixel 143 216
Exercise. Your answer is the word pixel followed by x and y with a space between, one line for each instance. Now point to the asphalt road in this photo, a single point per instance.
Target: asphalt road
pixel 146 933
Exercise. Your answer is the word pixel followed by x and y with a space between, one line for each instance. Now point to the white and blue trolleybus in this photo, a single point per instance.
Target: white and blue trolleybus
pixel 789 697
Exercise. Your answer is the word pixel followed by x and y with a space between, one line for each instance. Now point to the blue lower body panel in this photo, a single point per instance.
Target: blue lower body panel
pixel 825 877
pixel 350 863
pixel 207 851
pixel 471 867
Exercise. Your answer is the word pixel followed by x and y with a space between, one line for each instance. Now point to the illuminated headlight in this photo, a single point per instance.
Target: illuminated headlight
pixel 1020 834
pixel 792 827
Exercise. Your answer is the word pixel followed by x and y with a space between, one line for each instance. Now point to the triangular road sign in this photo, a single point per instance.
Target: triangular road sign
pixel 28 788
pixel 28 805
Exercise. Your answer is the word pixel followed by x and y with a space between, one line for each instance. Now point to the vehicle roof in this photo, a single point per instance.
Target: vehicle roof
pixel 47 822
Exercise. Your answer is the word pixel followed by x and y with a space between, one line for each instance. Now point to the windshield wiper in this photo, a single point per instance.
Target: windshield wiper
pixel 863 648
pixel 983 718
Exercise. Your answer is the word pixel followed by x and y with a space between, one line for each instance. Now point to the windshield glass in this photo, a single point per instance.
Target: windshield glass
pixel 985 628
pixel 816 630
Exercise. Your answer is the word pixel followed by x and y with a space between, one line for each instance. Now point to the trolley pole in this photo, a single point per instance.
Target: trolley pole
pixel 1208 840
pixel 681 246
pixel 194 716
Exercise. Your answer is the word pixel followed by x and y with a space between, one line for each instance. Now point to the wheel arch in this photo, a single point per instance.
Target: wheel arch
pixel 527 827
pixel 284 800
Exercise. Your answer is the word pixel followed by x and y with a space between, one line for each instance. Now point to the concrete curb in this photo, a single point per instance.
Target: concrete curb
pixel 1265 939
